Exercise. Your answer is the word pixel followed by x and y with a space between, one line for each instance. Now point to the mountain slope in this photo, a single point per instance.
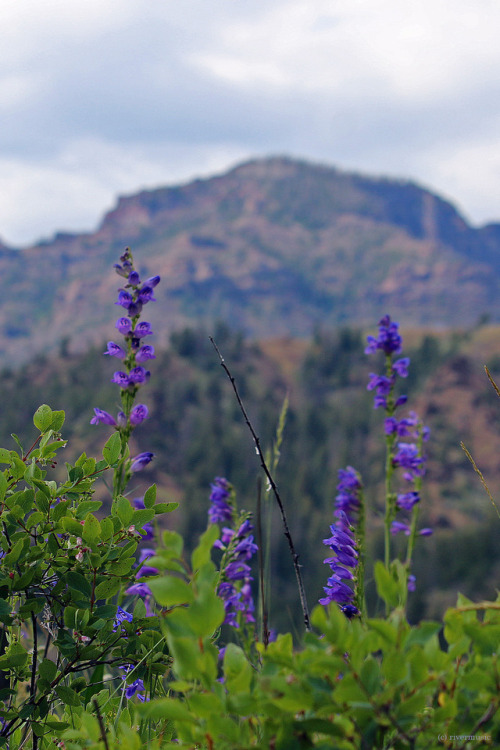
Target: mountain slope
pixel 273 247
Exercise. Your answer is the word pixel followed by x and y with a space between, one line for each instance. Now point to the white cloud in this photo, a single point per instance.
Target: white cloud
pixel 99 98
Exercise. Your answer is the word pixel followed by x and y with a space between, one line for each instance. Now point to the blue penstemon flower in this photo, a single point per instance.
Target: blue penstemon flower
pixel 406 455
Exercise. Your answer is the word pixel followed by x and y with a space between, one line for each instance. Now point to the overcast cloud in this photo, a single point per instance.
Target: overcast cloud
pixel 105 97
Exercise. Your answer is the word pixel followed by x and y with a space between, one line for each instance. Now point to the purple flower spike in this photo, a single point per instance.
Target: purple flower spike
pixel 141 460
pixel 220 510
pixel 388 339
pixel 115 351
pixel 138 414
pixel 102 416
pixel 145 352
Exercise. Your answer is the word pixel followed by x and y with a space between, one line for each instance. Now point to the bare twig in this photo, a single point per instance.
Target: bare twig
pixel 101 723
pixel 286 530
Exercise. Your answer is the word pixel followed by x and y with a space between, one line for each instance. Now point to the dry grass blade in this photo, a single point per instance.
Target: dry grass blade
pixel 478 471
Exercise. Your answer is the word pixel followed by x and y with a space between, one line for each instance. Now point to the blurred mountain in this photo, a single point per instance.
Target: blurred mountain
pixel 274 247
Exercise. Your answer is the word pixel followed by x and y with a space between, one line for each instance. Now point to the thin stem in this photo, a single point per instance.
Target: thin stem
pixel 286 530
pixel 263 601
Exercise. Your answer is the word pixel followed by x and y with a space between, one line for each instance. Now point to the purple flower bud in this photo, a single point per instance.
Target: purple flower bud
pixel 115 351
pixel 134 279
pixel 152 281
pixel 102 416
pixel 145 352
pixel 138 414
pixel 121 419
pixel 134 309
pixel 141 460
pixel 124 325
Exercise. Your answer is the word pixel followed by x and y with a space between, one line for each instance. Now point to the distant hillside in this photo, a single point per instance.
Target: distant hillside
pixel 273 247
pixel 196 432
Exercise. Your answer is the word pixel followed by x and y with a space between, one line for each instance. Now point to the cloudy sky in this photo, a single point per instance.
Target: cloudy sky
pixel 104 97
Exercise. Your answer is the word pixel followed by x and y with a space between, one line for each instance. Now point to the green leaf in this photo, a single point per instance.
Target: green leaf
pixel 165 507
pixel 124 510
pixel 107 528
pixel 237 670
pixel 387 586
pixel 202 553
pixel 47 669
pixel 57 420
pixel 166 708
pixel 68 696
pixel 111 450
pixel 173 542
pixel 149 496
pixel 91 529
pixel 87 506
pixel 169 590
pixel 142 516
pixel 108 587
pixel 79 583
pixel 43 417
pixel 72 526
pixel 3 485
pixel 14 555
pixel 5 457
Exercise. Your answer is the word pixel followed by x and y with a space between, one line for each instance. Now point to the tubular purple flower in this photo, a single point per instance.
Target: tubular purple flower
pixel 401 367
pixel 139 375
pixel 134 279
pixel 115 351
pixel 407 500
pixel 138 414
pixel 145 352
pixel 140 461
pixel 124 299
pixel 122 616
pixel 146 294
pixel 121 378
pixel 142 329
pixel 152 281
pixel 102 416
pixel 139 589
pixel 124 325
